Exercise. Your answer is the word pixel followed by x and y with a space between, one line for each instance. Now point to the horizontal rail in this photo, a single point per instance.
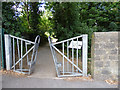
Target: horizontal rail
pixel 22 69
pixel 67 40
pixel 67 72
pixel 20 72
pixel 22 39
pixel 72 75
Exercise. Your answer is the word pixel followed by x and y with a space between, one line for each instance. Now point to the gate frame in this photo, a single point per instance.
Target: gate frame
pixel 9 53
pixel 84 54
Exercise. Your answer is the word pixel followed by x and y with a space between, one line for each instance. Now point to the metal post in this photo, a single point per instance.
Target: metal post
pixel 21 54
pixel 8 53
pixel 63 58
pixel 3 49
pixel 18 51
pixel 77 54
pixel 84 54
pixel 72 56
pixel 14 52
pixel 26 51
pixel 67 56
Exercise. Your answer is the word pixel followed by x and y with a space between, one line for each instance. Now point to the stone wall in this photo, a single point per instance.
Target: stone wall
pixel 104 53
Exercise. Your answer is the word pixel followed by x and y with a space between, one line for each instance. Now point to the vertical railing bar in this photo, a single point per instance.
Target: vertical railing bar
pixel 84 54
pixel 21 54
pixel 14 53
pixel 26 51
pixel 67 56
pixel 70 59
pixel 63 57
pixel 72 56
pixel 18 50
pixel 54 53
pixel 32 55
pixel 32 59
pixel 77 53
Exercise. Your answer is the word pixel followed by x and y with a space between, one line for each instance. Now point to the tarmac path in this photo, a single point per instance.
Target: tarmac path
pixel 44 67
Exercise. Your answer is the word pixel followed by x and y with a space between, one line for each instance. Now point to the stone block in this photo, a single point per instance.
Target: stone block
pixel 104 57
pixel 114 39
pixel 114 67
pixel 97 45
pixel 101 77
pixel 106 71
pixel 107 64
pixel 110 45
pixel 113 57
pixel 97 57
pixel 102 39
pixel 99 64
pixel 115 51
pixel 99 52
pixel 107 45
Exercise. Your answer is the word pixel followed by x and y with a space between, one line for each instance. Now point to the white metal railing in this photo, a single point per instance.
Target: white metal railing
pixel 70 65
pixel 21 54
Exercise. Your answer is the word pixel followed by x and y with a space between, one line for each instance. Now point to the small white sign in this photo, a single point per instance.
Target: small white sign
pixel 75 44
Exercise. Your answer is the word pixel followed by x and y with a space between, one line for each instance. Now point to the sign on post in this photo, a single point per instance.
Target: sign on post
pixel 75 44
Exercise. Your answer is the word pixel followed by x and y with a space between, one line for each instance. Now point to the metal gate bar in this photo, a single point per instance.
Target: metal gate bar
pixel 17 64
pixel 74 45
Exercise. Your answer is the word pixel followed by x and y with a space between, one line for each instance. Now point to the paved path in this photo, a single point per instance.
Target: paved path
pixel 27 82
pixel 44 67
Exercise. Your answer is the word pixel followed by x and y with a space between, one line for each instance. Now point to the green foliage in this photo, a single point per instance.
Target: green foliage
pixel 9 21
pixel 29 21
pixel 45 23
pixel 113 26
pixel 32 22
pixel 63 20
pixel 101 15
pixel 66 20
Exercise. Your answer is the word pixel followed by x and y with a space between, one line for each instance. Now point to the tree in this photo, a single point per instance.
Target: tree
pixel 104 15
pixel 31 21
pixel 66 20
pixel 9 21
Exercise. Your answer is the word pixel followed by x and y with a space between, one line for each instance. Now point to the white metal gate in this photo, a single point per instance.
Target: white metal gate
pixel 74 56
pixel 21 54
